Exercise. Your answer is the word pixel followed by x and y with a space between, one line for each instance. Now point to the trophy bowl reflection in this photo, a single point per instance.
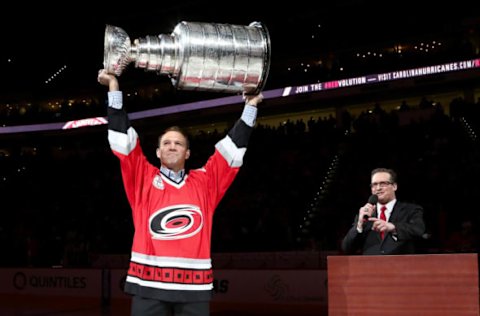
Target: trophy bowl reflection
pixel 197 56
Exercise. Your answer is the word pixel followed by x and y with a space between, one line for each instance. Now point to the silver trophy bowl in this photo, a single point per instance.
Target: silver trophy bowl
pixel 197 56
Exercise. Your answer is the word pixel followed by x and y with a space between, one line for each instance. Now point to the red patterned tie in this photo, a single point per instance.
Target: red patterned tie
pixel 383 217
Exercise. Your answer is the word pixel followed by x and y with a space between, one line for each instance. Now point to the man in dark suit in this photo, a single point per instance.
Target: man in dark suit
pixel 385 226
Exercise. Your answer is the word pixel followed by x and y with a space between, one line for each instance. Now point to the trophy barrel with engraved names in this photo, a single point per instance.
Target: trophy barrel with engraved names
pixel 197 56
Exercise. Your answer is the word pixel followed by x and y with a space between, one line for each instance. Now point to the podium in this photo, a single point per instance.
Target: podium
pixel 433 284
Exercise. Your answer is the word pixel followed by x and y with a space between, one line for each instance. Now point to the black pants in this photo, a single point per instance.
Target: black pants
pixel 148 307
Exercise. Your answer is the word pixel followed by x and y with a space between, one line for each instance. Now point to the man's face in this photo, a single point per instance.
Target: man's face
pixel 383 187
pixel 173 151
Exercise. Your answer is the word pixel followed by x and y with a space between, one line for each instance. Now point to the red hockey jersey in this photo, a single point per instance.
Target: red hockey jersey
pixel 170 258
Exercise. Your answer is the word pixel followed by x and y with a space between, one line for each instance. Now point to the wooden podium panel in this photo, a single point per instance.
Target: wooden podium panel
pixel 433 284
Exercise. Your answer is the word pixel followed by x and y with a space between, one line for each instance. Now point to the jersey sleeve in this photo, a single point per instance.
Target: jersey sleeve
pixel 125 144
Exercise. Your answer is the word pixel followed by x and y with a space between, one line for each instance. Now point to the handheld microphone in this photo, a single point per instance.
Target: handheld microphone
pixel 373 199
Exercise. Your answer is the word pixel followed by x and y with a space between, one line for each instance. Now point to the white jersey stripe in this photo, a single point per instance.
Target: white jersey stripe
pixel 121 142
pixel 170 286
pixel 232 154
pixel 164 262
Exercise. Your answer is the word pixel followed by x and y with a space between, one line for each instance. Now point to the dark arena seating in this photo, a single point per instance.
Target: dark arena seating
pixel 304 176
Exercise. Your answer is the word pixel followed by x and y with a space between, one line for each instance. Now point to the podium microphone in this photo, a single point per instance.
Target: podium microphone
pixel 373 199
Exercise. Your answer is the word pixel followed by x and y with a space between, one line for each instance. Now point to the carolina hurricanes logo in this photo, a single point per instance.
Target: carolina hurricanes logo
pixel 176 222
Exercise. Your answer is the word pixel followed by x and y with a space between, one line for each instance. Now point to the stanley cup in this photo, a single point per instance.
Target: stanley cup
pixel 197 56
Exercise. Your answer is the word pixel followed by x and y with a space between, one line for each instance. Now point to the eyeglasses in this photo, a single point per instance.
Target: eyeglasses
pixel 382 184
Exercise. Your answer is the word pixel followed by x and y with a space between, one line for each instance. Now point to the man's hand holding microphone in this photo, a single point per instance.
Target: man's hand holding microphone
pixel 366 211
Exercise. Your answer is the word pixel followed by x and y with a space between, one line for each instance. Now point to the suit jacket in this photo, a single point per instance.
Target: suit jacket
pixel 408 220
